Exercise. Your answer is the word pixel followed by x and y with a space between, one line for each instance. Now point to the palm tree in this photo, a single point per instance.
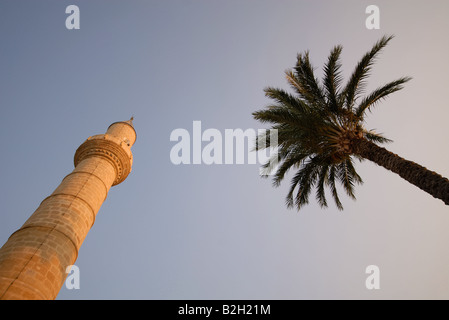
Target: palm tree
pixel 320 131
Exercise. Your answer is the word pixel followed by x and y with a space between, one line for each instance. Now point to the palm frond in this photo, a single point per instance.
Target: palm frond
pixel 352 172
pixel 356 82
pixel 294 159
pixel 267 168
pixel 376 137
pixel 309 176
pixel 302 79
pixel 346 179
pixel 285 99
pixel 379 94
pixel 320 191
pixel 277 114
pixel 304 179
pixel 289 199
pixel 332 78
pixel 262 141
pixel 332 185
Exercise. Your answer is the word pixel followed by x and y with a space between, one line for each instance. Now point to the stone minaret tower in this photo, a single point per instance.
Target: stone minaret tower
pixel 33 261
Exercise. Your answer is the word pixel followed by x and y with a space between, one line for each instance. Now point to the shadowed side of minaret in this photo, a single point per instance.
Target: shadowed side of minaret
pixel 33 261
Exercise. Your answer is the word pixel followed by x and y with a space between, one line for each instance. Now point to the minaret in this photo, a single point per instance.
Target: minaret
pixel 34 259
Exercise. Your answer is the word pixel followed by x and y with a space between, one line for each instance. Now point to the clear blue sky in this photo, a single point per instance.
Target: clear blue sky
pixel 222 232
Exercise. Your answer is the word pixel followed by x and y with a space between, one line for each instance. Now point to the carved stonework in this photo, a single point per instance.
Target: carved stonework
pixel 116 151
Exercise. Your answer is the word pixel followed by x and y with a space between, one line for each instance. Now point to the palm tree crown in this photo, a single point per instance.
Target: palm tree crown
pixel 320 125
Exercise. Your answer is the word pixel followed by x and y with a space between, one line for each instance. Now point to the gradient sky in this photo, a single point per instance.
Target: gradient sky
pixel 221 231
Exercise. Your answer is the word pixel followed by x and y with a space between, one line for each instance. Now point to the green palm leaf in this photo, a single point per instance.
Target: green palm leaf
pixel 332 78
pixel 379 94
pixel 356 83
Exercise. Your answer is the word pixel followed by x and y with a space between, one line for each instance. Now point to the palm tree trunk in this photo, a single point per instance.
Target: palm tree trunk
pixel 429 181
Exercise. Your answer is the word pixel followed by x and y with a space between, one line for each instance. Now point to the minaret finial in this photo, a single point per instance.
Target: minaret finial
pixel 130 121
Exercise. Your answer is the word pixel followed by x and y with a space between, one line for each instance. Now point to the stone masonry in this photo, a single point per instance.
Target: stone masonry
pixel 33 261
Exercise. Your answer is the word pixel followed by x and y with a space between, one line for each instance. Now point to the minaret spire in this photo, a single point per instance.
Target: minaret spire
pixel 33 261
pixel 130 121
